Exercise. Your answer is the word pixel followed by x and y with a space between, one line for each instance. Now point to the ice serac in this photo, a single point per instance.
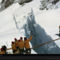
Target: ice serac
pixel 39 37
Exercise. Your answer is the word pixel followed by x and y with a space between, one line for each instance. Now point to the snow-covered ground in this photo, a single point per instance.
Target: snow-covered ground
pixel 17 20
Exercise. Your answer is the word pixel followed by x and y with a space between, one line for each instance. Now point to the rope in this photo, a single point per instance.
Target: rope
pixel 44 43
pixel 37 46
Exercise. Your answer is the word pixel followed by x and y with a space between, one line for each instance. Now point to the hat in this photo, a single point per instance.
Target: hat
pixel 1 49
pixel 21 38
pixel 12 42
pixel 25 38
pixel 15 39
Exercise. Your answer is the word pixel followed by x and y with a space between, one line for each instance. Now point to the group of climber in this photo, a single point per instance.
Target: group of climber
pixel 19 46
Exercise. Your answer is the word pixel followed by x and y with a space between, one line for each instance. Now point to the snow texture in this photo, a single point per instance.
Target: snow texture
pixel 27 20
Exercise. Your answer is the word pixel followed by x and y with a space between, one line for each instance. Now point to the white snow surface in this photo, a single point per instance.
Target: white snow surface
pixel 48 20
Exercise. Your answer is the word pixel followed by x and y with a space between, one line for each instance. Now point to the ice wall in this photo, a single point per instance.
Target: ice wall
pixel 39 36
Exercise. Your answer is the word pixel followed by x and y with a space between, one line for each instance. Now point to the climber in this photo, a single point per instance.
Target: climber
pixel 16 43
pixel 3 50
pixel 14 49
pixel 21 45
pixel 59 31
pixel 27 45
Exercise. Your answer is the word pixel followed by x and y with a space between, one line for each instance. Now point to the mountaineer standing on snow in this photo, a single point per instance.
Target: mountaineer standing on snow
pixel 15 47
pixel 16 43
pixel 27 45
pixel 15 50
pixel 3 50
pixel 21 45
pixel 59 31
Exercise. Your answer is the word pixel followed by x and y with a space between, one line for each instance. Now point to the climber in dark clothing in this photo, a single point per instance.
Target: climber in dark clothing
pixel 3 50
pixel 59 31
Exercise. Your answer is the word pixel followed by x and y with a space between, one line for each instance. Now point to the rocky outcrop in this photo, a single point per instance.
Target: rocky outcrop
pixel 6 3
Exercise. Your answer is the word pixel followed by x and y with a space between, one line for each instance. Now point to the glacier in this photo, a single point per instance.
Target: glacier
pixel 27 20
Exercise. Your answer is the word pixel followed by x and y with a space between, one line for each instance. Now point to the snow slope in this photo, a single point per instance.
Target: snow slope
pixel 7 24
pixel 28 20
pixel 9 30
